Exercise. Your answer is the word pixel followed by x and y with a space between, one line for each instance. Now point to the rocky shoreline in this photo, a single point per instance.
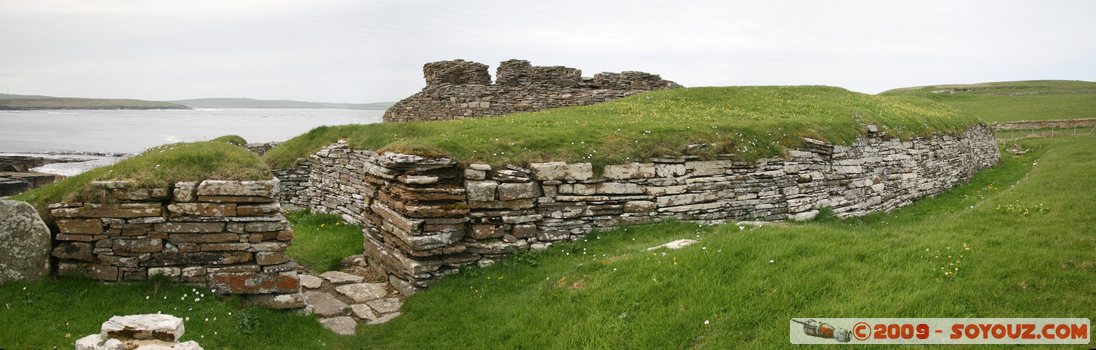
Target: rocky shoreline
pixel 20 172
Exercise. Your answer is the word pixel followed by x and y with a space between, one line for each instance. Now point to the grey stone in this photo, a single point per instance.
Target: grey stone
pixel 140 327
pixel 363 311
pixel 386 305
pixel 804 216
pixel 24 243
pixel 310 281
pixel 363 292
pixel 342 325
pixel 384 319
pixel 521 190
pixel 674 245
pixel 339 277
pixel 324 304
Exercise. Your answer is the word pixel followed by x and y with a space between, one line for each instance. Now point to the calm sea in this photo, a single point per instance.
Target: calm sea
pixel 131 131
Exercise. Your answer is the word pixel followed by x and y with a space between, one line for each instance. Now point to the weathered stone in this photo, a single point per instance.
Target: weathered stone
pixel 342 325
pixel 629 171
pixel 266 188
pixel 385 306
pixel 310 281
pixel 324 304
pixel 203 237
pixel 804 216
pixel 140 194
pixel 488 231
pixel 523 190
pixel 143 327
pixel 185 191
pixel 678 244
pixel 235 199
pixel 254 283
pixel 80 226
pixel 363 311
pixel 191 227
pixel 197 258
pixel 24 243
pixel 123 211
pixel 384 319
pixel 270 258
pixel 277 301
pixel 269 226
pixel 73 251
pixel 201 209
pixel 639 206
pixel 339 277
pixel 137 246
pixel 222 247
pixel 258 209
pixel 363 292
pixel 483 191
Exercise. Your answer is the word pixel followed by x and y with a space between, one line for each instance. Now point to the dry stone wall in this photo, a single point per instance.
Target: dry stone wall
pixel 461 89
pixel 424 218
pixel 228 235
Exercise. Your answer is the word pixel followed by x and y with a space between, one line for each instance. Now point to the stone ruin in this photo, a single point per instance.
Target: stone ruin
pixel 425 218
pixel 463 89
pixel 228 235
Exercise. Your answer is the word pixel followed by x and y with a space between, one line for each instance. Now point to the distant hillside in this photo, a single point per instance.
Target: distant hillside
pixel 17 102
pixel 1014 100
pixel 253 103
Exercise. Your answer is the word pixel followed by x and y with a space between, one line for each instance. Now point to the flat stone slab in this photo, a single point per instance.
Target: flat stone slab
pixel 324 304
pixel 141 327
pixel 678 244
pixel 363 292
pixel 384 318
pixel 310 281
pixel 342 325
pixel 386 305
pixel 363 312
pixel 339 277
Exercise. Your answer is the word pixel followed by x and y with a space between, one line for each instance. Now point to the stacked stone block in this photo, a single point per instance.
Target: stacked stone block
pixel 461 89
pixel 425 218
pixel 229 235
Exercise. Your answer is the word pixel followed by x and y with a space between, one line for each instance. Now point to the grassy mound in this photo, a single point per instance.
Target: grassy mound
pixel 1018 100
pixel 236 140
pixel 748 122
pixel 159 166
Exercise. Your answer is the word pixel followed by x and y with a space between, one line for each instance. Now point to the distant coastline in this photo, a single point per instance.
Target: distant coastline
pixel 38 102
pixel 64 103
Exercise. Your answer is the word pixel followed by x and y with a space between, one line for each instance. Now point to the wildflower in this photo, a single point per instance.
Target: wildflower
pixel 772 261
pixel 705 322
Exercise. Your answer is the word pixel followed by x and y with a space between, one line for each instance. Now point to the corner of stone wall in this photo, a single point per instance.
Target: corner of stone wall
pixel 227 235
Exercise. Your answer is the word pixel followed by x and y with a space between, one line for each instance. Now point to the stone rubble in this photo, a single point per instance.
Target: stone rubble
pixel 148 331
pixel 461 89
pixel 425 218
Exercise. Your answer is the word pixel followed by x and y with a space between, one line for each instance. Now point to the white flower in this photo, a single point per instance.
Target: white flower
pixel 705 322
pixel 772 261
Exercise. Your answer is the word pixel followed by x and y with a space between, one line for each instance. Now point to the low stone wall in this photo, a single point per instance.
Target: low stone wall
pixel 425 218
pixel 1046 124
pixel 228 235
pixel 461 89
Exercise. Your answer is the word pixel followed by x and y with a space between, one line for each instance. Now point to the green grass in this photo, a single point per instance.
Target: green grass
pixel 235 140
pixel 1028 223
pixel 748 122
pixel 1019 100
pixel 159 166
pixel 321 241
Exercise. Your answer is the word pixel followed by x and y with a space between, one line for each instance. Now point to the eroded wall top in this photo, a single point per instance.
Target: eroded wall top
pixel 463 89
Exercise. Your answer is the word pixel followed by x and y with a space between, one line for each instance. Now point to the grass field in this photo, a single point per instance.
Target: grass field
pixel 747 122
pixel 321 241
pixel 1010 101
pixel 1028 225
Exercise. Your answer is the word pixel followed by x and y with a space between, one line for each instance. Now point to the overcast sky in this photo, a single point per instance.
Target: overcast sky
pixel 366 51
